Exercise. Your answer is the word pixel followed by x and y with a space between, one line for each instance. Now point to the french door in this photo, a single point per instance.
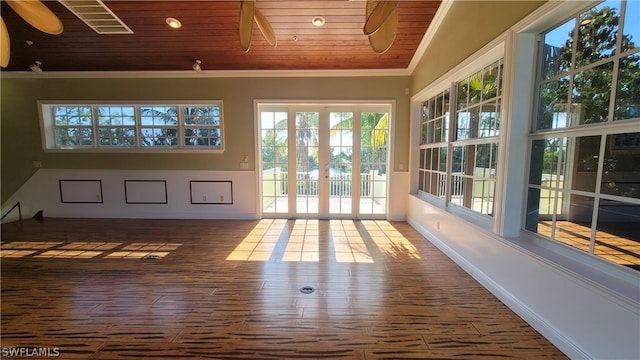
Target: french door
pixel 323 161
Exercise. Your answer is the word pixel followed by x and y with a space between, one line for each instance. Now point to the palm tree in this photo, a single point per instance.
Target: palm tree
pixel 159 126
pixel 373 140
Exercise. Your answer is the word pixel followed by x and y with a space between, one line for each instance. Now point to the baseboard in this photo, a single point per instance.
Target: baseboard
pixel 556 337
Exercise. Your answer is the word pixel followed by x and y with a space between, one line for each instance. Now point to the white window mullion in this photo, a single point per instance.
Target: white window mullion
pixel 356 158
pixel 452 129
pixel 181 138
pixel 138 115
pixel 95 127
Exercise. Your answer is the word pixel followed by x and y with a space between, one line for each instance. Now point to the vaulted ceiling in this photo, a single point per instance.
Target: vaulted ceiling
pixel 210 33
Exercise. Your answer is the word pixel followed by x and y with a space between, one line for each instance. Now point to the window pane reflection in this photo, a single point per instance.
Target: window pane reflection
pixel 554 60
pixel 540 206
pixel 591 94
pixel 621 175
pixel 618 233
pixel 552 108
pixel 598 23
pixel 573 224
pixel 545 155
pixel 628 89
pixel 587 150
pixel 631 29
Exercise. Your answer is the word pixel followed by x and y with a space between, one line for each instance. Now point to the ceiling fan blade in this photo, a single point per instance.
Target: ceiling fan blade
pixel 265 28
pixel 382 39
pixel 379 15
pixel 38 15
pixel 247 13
pixel 4 45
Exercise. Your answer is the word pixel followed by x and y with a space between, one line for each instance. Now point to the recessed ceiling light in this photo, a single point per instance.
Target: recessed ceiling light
pixel 174 23
pixel 318 21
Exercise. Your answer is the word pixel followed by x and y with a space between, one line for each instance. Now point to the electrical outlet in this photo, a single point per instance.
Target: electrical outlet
pixel 204 198
pixel 221 198
pixel 244 165
pixel 37 164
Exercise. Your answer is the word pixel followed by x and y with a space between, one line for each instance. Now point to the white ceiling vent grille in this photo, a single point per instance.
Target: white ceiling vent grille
pixel 97 15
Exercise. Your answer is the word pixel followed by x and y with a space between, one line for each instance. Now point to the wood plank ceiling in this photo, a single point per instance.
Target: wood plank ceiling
pixel 210 33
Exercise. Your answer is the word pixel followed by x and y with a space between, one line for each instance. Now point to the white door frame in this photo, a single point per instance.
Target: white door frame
pixel 325 107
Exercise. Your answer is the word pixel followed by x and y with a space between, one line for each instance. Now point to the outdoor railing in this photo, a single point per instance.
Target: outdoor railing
pixel 306 184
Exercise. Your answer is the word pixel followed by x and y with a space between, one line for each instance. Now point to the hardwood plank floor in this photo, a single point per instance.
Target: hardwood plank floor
pixel 88 289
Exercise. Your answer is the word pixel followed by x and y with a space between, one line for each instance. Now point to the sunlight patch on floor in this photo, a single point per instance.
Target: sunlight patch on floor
pixel 85 249
pixel 348 244
pixel 69 254
pixel 301 241
pixel 389 240
pixel 259 244
pixel 304 242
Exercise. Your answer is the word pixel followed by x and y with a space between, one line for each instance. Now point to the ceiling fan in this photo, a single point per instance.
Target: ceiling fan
pixel 249 13
pixel 381 24
pixel 37 15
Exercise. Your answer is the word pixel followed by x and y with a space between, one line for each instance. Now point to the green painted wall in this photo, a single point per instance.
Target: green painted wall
pixel 20 127
pixel 468 26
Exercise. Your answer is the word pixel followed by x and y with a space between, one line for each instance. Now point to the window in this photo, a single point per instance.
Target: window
pixel 132 127
pixel 433 149
pixel 116 125
pixel 471 146
pixel 475 139
pixel 159 126
pixel 584 178
pixel 72 126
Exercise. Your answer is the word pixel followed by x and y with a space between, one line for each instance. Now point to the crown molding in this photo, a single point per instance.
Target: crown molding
pixel 203 74
pixel 440 15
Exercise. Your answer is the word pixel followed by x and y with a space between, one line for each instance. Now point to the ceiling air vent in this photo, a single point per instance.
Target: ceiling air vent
pixel 97 15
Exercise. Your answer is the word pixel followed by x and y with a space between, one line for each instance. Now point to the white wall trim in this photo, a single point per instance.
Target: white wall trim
pixel 42 192
pixel 556 337
pixel 203 74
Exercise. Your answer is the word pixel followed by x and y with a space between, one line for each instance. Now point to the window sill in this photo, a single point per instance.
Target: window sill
pixel 617 278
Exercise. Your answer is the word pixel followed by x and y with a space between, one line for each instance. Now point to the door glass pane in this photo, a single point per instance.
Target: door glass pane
pixel 273 127
pixel 307 170
pixel 340 162
pixel 373 162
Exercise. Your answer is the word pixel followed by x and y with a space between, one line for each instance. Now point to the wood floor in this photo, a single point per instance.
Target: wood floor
pixel 89 289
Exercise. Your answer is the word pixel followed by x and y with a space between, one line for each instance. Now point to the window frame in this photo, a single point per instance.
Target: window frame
pixel 574 131
pixel 448 83
pixel 48 126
